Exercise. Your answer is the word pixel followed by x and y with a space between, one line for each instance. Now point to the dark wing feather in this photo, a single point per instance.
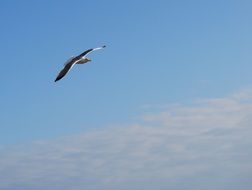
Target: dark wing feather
pixel 88 51
pixel 85 53
pixel 72 61
pixel 65 70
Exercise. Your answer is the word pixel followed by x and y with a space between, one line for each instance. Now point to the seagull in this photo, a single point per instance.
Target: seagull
pixel 80 59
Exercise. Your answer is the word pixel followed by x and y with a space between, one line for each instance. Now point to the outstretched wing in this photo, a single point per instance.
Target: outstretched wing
pixel 71 62
pixel 66 69
pixel 89 51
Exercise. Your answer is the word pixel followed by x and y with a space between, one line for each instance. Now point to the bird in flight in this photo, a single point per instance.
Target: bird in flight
pixel 80 59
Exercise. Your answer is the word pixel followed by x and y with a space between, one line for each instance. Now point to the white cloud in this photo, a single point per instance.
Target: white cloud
pixel 206 145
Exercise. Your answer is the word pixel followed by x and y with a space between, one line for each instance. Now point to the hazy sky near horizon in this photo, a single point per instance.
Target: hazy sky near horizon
pixel 166 105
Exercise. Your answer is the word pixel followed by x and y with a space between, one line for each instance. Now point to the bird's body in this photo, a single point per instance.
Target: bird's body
pixel 83 60
pixel 80 59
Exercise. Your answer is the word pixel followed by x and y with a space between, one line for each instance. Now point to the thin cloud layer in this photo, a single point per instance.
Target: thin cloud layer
pixel 206 145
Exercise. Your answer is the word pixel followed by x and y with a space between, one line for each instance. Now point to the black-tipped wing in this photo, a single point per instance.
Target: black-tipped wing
pixel 69 64
pixel 65 70
pixel 89 51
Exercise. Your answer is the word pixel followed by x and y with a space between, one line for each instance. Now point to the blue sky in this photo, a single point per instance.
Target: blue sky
pixel 159 54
